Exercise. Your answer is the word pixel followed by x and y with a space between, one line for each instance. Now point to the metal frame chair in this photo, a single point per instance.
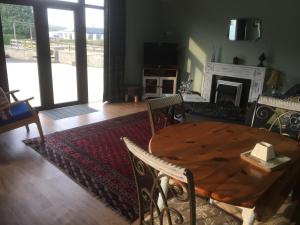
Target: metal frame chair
pixel 278 115
pixel 179 204
pixel 22 115
pixel 165 111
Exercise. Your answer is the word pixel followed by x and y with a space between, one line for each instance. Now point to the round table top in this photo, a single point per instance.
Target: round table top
pixel 211 150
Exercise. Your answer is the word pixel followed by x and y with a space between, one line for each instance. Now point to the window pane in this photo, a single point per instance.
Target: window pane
pixel 151 86
pixel 95 2
pixel 95 52
pixel 20 51
pixel 167 86
pixel 63 55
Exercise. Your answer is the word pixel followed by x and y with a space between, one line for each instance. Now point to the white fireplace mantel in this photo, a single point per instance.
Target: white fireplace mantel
pixel 255 74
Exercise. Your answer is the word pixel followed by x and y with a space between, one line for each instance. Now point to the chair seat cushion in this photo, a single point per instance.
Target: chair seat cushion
pixel 18 112
pixel 206 214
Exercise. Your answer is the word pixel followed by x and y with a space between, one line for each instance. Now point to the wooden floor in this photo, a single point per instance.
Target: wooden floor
pixel 34 192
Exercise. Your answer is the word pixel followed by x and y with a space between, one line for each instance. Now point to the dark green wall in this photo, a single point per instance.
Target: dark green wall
pixel 142 26
pixel 198 25
pixel 201 25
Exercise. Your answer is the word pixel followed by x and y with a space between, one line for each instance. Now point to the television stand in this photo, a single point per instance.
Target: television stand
pixel 158 82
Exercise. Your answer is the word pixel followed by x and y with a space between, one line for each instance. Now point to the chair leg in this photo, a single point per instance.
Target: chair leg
pixel 39 126
pixel 27 128
pixel 164 185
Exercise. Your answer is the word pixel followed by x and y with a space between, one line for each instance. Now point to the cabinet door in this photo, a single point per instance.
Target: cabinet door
pixel 151 86
pixel 168 85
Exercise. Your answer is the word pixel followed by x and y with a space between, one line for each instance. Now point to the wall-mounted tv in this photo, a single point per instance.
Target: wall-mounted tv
pixel 160 54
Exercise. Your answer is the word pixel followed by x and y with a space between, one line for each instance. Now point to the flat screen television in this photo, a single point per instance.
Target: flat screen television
pixel 160 54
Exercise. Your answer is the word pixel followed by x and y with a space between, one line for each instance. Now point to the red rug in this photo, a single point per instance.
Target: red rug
pixel 94 157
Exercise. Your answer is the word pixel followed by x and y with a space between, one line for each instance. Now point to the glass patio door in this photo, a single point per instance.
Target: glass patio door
pixel 23 63
pixel 62 36
pixel 94 21
pixel 19 38
pixel 53 50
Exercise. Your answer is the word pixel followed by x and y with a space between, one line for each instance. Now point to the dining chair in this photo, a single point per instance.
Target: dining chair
pixel 180 205
pixel 19 113
pixel 279 115
pixel 165 111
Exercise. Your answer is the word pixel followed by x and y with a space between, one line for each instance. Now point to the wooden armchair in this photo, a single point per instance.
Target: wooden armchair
pixel 165 111
pixel 179 203
pixel 278 115
pixel 21 114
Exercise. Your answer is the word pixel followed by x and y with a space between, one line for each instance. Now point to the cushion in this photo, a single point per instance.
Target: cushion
pixel 18 112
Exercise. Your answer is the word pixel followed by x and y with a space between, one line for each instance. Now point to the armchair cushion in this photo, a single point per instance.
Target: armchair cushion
pixel 18 112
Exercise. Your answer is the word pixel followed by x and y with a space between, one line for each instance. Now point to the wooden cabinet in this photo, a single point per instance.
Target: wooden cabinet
pixel 159 81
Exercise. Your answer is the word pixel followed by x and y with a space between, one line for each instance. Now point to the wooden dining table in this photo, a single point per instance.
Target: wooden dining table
pixel 211 150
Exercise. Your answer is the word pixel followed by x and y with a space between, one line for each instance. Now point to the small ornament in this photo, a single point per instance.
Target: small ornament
pixel 186 86
pixel 261 58
pixel 236 60
pixel 213 56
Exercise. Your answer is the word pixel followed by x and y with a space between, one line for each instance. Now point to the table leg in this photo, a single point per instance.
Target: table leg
pixel 248 216
pixel 164 183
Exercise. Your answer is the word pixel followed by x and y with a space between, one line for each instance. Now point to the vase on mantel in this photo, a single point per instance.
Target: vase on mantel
pixel 213 55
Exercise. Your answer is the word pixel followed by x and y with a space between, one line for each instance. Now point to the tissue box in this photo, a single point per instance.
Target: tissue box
pixel 264 157
pixel 263 151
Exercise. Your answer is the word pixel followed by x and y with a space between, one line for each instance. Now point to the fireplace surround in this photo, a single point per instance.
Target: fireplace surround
pixel 248 79
pixel 252 78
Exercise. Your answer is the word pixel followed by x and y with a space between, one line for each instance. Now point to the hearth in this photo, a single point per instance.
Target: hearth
pixel 227 112
pixel 251 77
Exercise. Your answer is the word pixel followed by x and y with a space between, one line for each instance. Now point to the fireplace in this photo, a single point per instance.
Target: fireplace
pixel 239 90
pixel 251 77
pixel 228 92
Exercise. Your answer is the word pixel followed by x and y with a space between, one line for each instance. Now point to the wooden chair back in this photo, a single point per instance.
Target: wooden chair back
pixel 165 111
pixel 278 115
pixel 149 171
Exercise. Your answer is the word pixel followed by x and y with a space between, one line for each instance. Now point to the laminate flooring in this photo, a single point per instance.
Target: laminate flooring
pixel 34 192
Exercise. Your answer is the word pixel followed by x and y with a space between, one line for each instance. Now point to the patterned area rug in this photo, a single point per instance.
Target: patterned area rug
pixel 95 157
